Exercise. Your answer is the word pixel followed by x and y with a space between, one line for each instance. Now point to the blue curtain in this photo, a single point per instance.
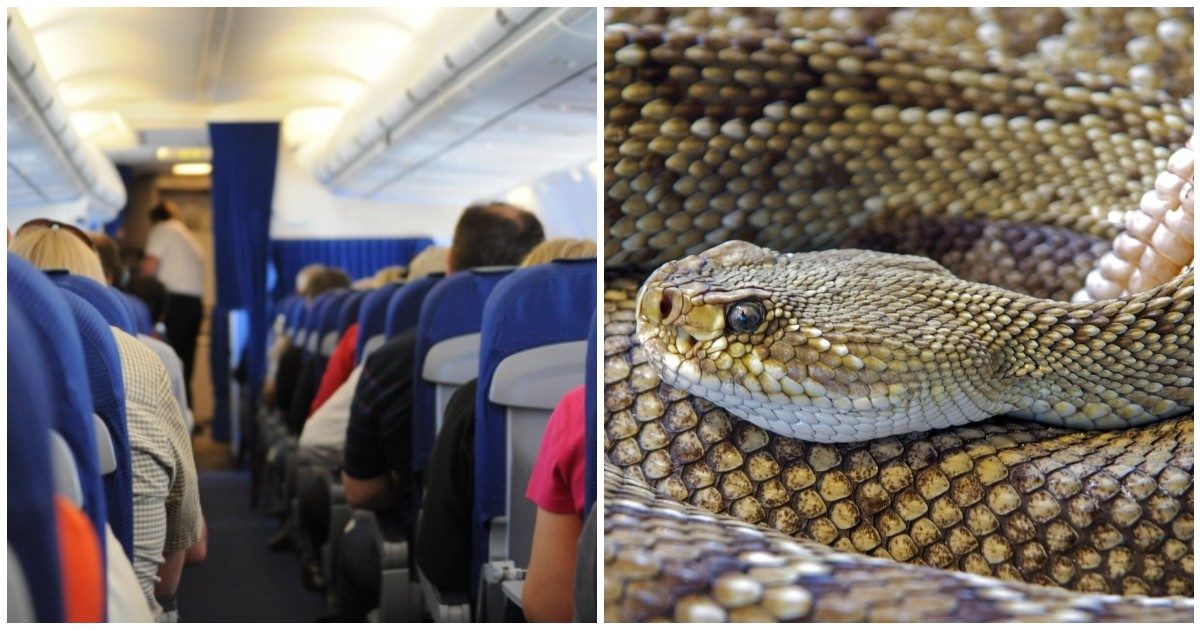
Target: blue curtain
pixel 358 257
pixel 243 183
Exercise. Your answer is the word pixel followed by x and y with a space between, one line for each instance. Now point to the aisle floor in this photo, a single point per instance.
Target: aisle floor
pixel 242 580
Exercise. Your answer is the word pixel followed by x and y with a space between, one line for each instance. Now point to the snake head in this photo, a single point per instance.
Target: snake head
pixel 832 346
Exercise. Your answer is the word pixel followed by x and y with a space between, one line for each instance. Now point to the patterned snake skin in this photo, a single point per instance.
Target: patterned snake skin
pixel 803 130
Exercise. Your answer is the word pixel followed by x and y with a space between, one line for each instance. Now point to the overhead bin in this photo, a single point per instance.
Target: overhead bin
pixel 506 105
pixel 49 164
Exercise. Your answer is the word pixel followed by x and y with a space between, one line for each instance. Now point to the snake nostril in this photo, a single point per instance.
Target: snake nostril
pixel 665 304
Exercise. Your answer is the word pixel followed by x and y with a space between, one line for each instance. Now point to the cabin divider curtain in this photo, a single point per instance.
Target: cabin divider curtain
pixel 243 183
pixel 358 257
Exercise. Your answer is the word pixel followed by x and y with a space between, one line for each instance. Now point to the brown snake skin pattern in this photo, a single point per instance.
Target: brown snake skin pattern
pixel 714 135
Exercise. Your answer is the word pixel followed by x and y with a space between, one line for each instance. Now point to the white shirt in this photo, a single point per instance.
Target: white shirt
pixel 323 438
pixel 180 257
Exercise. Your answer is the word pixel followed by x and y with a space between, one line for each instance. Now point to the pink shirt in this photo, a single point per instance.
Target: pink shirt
pixel 556 484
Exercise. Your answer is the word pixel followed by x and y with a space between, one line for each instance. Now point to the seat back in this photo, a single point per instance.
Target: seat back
pixel 452 308
pixel 142 320
pixel 312 324
pixel 294 312
pixel 533 349
pixel 50 320
pixel 32 528
pixel 404 308
pixel 113 309
pixel 304 318
pixel 371 321
pixel 107 387
pixel 350 310
pixel 327 324
pixel 589 409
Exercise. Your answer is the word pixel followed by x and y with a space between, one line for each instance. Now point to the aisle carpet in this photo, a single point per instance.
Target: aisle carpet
pixel 242 580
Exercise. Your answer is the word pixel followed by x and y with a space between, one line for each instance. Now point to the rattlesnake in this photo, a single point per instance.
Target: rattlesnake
pixel 1013 162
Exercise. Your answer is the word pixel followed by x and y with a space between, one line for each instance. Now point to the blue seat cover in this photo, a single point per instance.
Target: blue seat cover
pixel 533 307
pixel 372 315
pixel 350 308
pixel 142 317
pixel 452 308
pixel 404 308
pixel 113 309
pixel 589 436
pixel 107 385
pixel 32 525
pixel 50 319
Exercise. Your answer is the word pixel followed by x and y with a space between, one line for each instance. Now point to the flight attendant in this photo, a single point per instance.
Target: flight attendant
pixel 174 256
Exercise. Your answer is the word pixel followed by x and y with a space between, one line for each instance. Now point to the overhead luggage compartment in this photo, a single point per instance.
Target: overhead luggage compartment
pixel 51 169
pixel 508 104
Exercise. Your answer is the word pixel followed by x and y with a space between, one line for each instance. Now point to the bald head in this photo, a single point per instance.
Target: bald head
pixel 493 234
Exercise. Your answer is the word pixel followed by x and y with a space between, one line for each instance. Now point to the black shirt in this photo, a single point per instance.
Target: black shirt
pixel 379 435
pixel 444 537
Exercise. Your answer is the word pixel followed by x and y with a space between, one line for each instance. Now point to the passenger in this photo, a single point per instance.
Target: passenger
pixel 307 375
pixel 377 470
pixel 282 341
pixel 167 519
pixel 110 260
pixel 43 243
pixel 556 486
pixel 175 258
pixel 450 477
pixel 324 436
pixel 295 383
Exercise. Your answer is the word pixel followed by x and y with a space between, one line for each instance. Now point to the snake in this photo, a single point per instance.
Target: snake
pixel 897 315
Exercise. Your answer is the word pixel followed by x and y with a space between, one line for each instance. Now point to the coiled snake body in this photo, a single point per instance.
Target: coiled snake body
pixel 868 497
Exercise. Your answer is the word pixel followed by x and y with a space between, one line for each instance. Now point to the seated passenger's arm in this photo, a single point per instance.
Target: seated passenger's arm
pixel 373 493
pixel 149 265
pixel 198 552
pixel 168 575
pixel 377 418
pixel 547 594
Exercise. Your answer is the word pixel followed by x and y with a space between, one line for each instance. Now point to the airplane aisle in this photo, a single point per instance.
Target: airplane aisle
pixel 242 580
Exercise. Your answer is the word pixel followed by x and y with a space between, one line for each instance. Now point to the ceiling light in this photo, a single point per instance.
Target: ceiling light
pixel 162 153
pixel 191 168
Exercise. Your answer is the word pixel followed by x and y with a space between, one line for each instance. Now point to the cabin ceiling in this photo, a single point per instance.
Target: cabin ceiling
pixel 135 78
pixel 431 107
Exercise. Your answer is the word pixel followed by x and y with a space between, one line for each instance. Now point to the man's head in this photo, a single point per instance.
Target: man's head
pixel 493 234
pixel 110 258
pixel 164 211
pixel 153 293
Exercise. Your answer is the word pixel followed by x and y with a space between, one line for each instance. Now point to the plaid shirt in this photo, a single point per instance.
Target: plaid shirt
pixel 166 498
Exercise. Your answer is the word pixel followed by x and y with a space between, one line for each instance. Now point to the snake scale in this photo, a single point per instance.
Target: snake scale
pixel 1039 152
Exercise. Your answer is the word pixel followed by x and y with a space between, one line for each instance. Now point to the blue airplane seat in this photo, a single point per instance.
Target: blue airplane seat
pixel 32 524
pixel 532 351
pixel 53 327
pixel 107 385
pixel 331 319
pixel 113 309
pixel 312 323
pixel 139 313
pixel 350 309
pixel 452 309
pixel 294 313
pixel 404 308
pixel 371 320
pixel 589 436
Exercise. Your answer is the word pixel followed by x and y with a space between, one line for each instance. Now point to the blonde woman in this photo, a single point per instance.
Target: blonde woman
pixel 53 245
pixel 167 523
pixel 559 249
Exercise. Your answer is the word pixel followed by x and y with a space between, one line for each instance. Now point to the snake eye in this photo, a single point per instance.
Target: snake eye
pixel 745 317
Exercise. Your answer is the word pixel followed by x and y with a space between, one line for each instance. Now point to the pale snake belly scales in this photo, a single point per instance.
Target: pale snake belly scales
pixel 1004 169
